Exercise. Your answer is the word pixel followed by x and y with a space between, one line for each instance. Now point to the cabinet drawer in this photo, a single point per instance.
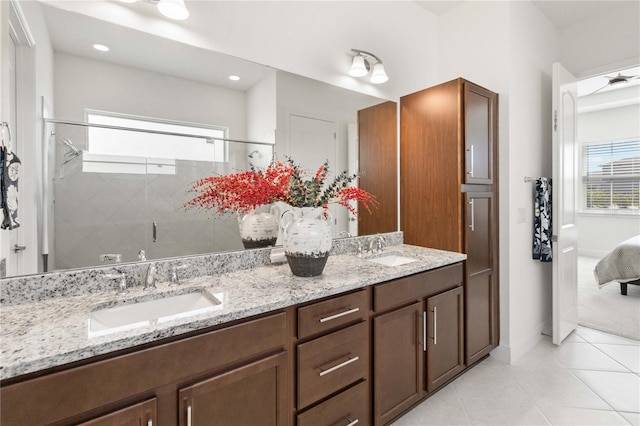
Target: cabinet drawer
pixel 417 286
pixel 330 363
pixel 332 313
pixel 346 408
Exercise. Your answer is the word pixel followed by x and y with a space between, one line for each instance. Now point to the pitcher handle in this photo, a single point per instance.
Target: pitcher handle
pixel 275 210
pixel 286 218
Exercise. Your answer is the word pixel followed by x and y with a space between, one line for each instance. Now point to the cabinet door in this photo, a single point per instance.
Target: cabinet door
pixel 481 292
pixel 142 414
pixel 445 337
pixel 254 394
pixel 398 361
pixel 480 112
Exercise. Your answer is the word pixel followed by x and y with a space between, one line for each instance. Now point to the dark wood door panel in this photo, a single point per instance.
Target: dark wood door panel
pixel 479 114
pixel 250 395
pixel 445 337
pixel 398 361
pixel 378 154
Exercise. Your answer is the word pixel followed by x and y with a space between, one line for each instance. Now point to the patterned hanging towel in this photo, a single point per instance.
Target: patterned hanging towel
pixel 542 221
pixel 9 170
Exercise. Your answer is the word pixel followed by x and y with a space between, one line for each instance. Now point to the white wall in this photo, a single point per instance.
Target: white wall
pixel 508 47
pixel 83 83
pixel 315 38
pixel 598 234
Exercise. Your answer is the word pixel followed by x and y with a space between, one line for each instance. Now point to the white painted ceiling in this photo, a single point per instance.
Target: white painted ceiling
pixel 141 32
pixel 563 13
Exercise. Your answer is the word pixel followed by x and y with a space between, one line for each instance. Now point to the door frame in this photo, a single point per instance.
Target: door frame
pixel 28 127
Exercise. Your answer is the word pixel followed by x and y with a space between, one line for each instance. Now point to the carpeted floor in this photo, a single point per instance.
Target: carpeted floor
pixel 606 309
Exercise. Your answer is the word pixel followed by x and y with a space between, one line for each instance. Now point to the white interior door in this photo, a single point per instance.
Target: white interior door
pixel 565 234
pixel 14 258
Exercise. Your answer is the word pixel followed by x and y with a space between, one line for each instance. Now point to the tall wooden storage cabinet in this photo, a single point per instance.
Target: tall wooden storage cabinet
pixel 449 192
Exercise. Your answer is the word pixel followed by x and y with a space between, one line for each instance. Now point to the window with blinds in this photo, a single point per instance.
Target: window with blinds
pixel 611 176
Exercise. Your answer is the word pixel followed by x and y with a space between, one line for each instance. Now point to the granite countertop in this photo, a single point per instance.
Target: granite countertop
pixel 49 333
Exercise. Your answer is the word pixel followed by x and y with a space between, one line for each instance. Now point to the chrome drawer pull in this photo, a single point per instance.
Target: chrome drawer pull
pixel 336 367
pixel 150 422
pixel 352 422
pixel 341 314
pixel 188 415
pixel 424 330
pixel 435 325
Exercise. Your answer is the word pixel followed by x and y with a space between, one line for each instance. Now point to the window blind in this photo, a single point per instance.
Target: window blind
pixel 611 175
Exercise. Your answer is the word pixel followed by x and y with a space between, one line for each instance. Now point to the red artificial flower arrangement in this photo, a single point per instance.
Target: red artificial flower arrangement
pixel 243 191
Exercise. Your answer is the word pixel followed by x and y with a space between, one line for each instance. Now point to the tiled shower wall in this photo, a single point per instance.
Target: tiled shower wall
pixel 97 213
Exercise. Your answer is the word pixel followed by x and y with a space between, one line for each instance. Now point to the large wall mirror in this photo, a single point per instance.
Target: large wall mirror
pixel 102 198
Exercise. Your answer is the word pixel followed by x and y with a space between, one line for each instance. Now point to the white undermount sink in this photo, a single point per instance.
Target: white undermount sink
pixel 392 260
pixel 140 314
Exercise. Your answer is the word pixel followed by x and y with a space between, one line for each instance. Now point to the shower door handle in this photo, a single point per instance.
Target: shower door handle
pixel 155 230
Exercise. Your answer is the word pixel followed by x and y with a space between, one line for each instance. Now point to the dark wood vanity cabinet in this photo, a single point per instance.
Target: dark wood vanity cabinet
pixel 417 338
pixel 449 192
pixel 241 367
pixel 361 357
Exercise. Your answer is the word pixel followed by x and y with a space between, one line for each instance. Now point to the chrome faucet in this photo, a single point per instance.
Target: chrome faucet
pixel 117 257
pixel 174 279
pixel 376 244
pixel 122 285
pixel 150 277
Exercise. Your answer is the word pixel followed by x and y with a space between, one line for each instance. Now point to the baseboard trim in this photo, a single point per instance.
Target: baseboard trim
pixel 511 354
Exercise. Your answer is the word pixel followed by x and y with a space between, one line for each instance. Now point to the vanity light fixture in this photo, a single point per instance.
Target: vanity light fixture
pixel 361 65
pixel 173 9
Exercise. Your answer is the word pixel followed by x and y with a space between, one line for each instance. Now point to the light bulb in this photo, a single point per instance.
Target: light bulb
pixel 174 9
pixel 378 75
pixel 358 67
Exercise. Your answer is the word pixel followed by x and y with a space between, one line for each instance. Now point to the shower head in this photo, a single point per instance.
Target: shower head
pixel 67 143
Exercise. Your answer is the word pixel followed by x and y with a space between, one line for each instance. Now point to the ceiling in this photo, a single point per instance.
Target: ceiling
pixel 214 68
pixel 562 13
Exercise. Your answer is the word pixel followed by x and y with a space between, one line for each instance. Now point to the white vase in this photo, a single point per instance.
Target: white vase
pixel 307 239
pixel 259 227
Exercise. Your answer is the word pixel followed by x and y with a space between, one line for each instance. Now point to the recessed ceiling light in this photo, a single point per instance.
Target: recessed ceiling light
pixel 234 77
pixel 100 47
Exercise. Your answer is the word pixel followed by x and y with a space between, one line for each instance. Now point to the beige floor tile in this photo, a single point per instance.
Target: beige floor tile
pixel 581 416
pixel 489 381
pixel 502 412
pixel 585 356
pixel 557 387
pixel 443 408
pixel 632 418
pixel 629 356
pixel 620 390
